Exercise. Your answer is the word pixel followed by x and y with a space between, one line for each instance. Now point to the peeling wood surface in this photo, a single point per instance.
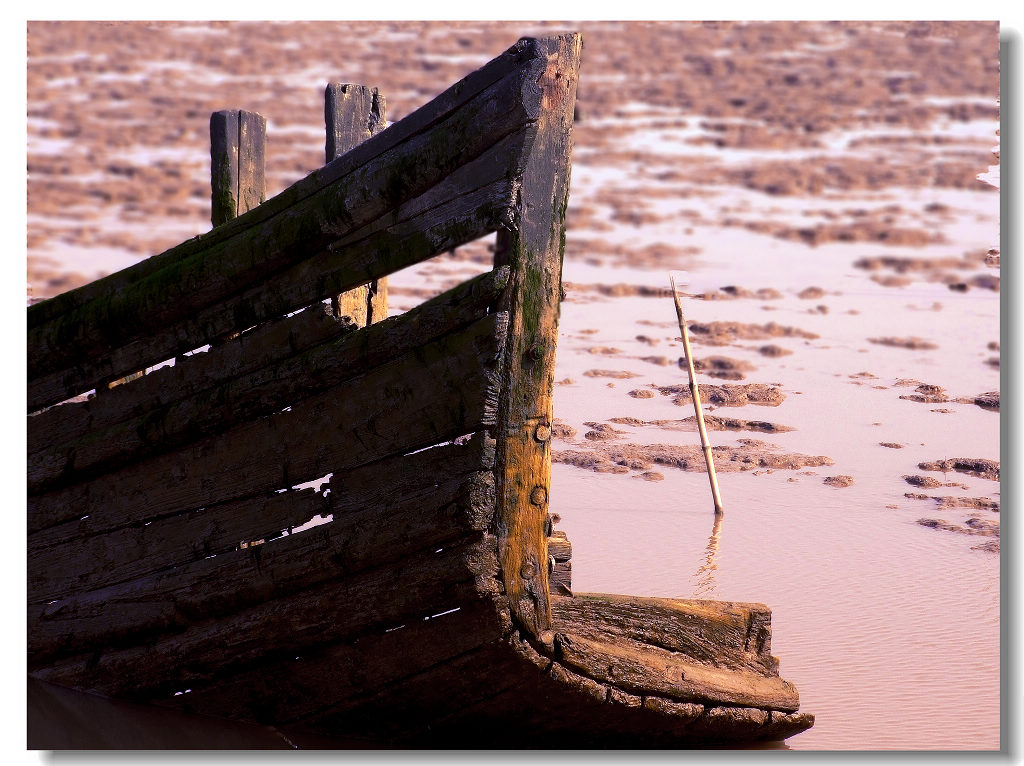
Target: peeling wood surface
pixel 722 633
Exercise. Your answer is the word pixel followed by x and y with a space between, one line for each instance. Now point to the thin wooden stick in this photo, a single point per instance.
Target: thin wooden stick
pixel 695 395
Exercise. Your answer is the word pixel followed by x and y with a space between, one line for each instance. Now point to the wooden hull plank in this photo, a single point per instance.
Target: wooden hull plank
pixel 436 392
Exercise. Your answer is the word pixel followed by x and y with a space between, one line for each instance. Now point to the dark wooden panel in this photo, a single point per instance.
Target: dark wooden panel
pixel 431 394
pixel 255 394
pixel 189 375
pixel 226 640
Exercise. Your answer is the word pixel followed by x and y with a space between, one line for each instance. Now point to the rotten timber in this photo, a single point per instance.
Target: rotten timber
pixel 336 521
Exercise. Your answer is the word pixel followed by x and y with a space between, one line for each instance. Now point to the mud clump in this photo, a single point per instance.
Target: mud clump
pixel 727 395
pixel 772 350
pixel 925 482
pixel 617 374
pixel 721 367
pixel 927 394
pixel 972 526
pixel 912 343
pixel 748 455
pixel 562 430
pixel 980 467
pixel 732 292
pixel 725 333
pixel 602 432
pixel 890 445
pixel 839 481
pixel 711 422
pixel 642 393
pixel 810 293
pixel 987 401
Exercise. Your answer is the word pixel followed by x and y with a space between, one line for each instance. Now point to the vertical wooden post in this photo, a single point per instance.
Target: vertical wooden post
pixel 237 158
pixel 532 247
pixel 353 113
pixel 237 169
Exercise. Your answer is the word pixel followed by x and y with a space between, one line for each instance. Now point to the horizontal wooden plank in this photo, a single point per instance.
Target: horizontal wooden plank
pixel 288 690
pixel 274 341
pixel 419 121
pixel 432 394
pixel 727 634
pixel 643 669
pixel 67 560
pixel 260 392
pixel 217 276
pixel 172 598
pixel 235 640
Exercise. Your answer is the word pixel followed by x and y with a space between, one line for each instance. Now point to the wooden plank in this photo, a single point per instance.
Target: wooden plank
pixel 643 669
pixel 419 121
pixel 171 599
pixel 208 277
pixel 432 394
pixel 729 634
pixel 260 392
pixel 229 640
pixel 298 686
pixel 277 340
pixel 533 247
pixel 464 206
pixel 355 113
pixel 439 486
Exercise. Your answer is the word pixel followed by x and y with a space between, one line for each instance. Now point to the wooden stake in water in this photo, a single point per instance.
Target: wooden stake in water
pixel 695 395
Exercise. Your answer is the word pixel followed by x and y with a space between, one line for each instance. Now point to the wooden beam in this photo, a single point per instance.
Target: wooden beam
pixel 432 394
pixel 355 113
pixel 532 246
pixel 345 195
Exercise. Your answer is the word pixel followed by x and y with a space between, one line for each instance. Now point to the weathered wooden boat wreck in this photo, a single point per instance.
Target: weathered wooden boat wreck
pixel 169 556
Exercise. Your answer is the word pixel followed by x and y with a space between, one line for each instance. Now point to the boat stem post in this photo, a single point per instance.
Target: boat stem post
pixel 695 395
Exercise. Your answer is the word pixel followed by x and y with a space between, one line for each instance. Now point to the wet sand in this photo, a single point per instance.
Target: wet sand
pixel 818 182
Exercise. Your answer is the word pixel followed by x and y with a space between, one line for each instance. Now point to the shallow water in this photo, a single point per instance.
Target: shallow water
pixel 889 629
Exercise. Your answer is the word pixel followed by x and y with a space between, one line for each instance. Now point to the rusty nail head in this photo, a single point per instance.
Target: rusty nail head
pixel 538 496
pixel 543 432
pixel 528 570
pixel 535 352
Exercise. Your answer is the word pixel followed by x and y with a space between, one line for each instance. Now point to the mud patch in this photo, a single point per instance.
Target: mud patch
pixel 725 333
pixel 976 466
pixel 840 481
pixel 912 343
pixel 617 374
pixel 748 455
pixel 726 395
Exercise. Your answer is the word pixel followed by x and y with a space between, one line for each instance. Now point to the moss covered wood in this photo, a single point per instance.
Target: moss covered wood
pixel 344 196
pixel 237 163
pixel 533 247
pixel 354 113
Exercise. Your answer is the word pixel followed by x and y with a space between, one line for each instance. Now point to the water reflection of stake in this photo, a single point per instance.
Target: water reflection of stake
pixel 695 395
pixel 706 574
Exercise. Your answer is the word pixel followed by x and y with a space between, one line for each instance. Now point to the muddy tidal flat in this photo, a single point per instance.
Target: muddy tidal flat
pixel 831 191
